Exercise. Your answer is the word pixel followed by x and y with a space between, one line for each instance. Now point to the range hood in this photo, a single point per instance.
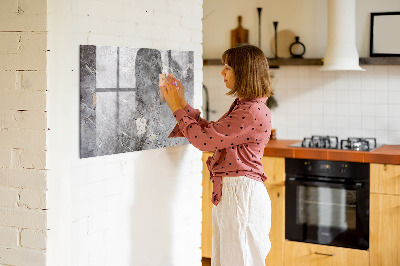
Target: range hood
pixel 341 51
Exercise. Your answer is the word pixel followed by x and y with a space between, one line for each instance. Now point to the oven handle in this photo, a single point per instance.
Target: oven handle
pixel 357 185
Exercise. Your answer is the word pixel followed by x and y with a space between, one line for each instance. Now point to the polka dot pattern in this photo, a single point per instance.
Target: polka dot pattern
pixel 238 139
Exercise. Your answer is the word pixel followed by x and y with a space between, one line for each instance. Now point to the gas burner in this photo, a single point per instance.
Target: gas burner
pixel 358 144
pixel 327 142
pixel 332 142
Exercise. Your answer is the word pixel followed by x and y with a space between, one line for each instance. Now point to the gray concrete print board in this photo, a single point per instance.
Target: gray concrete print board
pixel 120 106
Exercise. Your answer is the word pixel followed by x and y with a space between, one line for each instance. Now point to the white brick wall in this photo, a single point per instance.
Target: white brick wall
pixel 140 208
pixel 22 132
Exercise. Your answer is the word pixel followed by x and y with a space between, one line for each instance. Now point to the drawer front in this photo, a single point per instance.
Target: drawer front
pixel 297 253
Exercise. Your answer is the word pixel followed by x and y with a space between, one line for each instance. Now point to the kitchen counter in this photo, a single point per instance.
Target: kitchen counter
pixel 389 154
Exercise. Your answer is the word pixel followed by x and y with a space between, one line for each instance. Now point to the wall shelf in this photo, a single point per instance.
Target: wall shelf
pixel 274 63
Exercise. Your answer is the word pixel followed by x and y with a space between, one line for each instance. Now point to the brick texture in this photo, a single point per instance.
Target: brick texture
pixel 23 126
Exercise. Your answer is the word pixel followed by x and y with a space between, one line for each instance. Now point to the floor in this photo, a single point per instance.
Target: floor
pixel 206 261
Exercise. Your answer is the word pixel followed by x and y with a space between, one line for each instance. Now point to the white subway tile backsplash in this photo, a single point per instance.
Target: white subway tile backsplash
pixel 394 97
pixel 342 109
pixel 367 96
pixel 355 103
pixel 329 109
pixel 394 83
pixel 381 123
pixel 368 123
pixel 354 122
pixel 381 110
pixel 292 83
pixel 342 96
pixel 394 110
pixel 304 72
pixel 342 122
pixel 394 137
pixel 355 132
pixel 304 82
pixel 355 96
pixel 291 71
pixel 380 71
pixel 367 110
pixel 394 123
pixel 393 71
pixel 381 136
pixel 381 97
pixel 381 84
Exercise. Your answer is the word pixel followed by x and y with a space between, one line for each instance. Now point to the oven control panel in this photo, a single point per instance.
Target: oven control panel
pixel 338 169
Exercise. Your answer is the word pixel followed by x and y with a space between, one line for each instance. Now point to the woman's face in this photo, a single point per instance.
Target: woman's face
pixel 229 76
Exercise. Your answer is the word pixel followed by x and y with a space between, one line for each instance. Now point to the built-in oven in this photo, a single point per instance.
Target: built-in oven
pixel 327 202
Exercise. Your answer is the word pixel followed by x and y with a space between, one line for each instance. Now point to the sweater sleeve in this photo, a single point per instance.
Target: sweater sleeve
pixel 193 113
pixel 229 131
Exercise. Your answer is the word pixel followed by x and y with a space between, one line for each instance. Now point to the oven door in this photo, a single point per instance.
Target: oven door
pixel 327 213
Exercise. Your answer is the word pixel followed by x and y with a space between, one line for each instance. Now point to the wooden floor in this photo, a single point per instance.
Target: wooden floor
pixel 206 261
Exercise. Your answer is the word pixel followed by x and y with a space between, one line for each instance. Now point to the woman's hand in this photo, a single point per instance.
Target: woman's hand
pixel 174 93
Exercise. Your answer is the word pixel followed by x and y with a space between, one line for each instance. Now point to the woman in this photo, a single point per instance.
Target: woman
pixel 242 208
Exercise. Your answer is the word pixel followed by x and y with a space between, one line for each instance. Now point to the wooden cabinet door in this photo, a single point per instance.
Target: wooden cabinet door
pixel 206 226
pixel 304 254
pixel 385 178
pixel 384 237
pixel 274 168
pixel 277 233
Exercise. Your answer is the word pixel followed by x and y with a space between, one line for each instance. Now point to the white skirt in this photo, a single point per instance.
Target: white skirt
pixel 241 223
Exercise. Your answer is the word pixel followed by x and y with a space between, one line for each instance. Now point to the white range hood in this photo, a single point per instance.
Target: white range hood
pixel 341 51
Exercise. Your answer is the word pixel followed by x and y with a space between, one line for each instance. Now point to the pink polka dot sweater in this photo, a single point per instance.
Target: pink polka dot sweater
pixel 238 139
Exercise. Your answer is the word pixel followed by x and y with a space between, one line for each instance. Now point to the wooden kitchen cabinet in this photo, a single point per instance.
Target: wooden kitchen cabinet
pixel 277 233
pixel 385 215
pixel 384 236
pixel 206 225
pixel 305 254
pixel 274 168
pixel 385 178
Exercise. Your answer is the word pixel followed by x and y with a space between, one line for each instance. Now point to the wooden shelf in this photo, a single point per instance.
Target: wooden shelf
pixel 273 63
pixel 380 61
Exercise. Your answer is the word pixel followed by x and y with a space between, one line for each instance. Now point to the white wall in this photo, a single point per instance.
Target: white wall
pixel 311 102
pixel 140 208
pixel 23 133
pixel 306 19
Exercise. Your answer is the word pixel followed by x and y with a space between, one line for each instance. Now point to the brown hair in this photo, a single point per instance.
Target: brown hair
pixel 250 66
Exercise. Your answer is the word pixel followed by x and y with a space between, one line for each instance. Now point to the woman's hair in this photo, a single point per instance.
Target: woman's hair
pixel 250 66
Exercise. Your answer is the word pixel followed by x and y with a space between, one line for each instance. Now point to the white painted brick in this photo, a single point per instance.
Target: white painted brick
pixel 9 42
pixel 31 55
pixel 7 80
pixel 23 178
pixel 31 80
pixel 33 239
pixel 98 222
pixel 5 158
pixel 34 120
pixel 19 217
pixel 31 159
pixel 17 256
pixel 8 237
pixel 23 100
pixel 23 22
pixel 35 140
pixel 36 7
pixel 8 197
pixel 33 199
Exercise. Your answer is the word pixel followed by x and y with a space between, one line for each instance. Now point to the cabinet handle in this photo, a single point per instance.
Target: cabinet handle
pixel 324 254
